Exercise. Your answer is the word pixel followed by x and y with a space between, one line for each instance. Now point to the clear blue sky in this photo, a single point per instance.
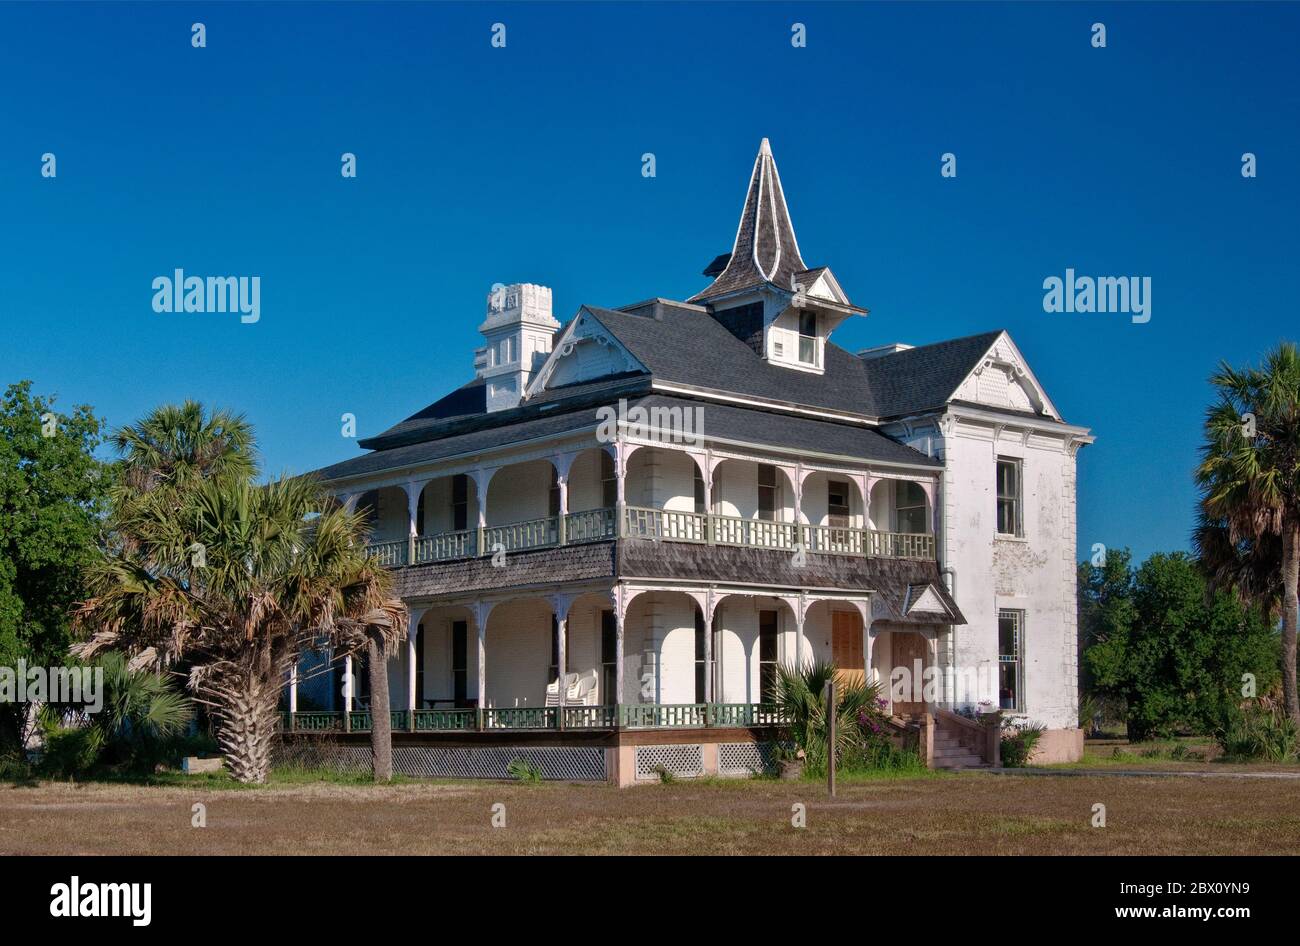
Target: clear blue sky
pixel 478 165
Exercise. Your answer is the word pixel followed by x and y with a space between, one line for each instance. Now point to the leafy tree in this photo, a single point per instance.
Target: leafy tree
pixel 1173 652
pixel 1249 478
pixel 52 493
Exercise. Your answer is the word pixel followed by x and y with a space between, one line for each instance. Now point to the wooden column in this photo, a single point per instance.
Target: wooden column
pixel 413 491
pixel 618 647
pixel 412 698
pixel 562 481
pixel 293 696
pixel 708 647
pixel 480 623
pixel 348 685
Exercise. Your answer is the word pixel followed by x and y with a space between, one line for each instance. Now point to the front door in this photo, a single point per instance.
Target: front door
pixel 846 646
pixel 909 651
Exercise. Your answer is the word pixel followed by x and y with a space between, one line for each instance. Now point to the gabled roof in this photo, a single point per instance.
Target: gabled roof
pixel 765 249
pixel 924 378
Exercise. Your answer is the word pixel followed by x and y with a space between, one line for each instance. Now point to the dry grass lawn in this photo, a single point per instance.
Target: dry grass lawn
pixel 971 813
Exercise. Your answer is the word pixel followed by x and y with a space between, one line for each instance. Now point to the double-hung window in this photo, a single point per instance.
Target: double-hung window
pixel 1010 519
pixel 1011 660
pixel 808 338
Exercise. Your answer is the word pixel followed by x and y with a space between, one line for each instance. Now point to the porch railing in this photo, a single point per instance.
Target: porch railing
pixel 661 525
pixel 533 718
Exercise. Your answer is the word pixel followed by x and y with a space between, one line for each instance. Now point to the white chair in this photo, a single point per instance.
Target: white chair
pixel 553 690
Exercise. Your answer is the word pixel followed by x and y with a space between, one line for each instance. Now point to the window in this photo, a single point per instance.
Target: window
pixel 701 665
pixel 419 514
pixel 419 664
pixel 553 500
pixel 460 502
pixel 699 491
pixel 767 631
pixel 608 481
pixel 808 338
pixel 1009 520
pixel 608 658
pixel 1011 663
pixel 460 662
pixel 909 507
pixel 767 492
pixel 837 504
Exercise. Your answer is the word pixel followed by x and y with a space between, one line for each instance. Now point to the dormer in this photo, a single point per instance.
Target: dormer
pixel 762 291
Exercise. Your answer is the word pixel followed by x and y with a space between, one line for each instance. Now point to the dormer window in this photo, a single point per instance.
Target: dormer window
pixel 808 337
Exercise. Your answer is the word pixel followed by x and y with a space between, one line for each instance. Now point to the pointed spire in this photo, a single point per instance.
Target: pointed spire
pixel 765 250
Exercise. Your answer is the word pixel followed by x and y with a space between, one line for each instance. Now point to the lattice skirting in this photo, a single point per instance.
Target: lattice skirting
pixel 560 763
pixel 681 761
pixel 741 758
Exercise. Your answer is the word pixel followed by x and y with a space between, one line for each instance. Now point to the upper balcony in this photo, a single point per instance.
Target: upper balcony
pixel 651 492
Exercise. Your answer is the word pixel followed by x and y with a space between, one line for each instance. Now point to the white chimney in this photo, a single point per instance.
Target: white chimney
pixel 518 332
pixel 881 350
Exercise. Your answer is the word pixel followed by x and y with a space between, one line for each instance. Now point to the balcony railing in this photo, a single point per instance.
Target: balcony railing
pixel 662 525
pixel 550 718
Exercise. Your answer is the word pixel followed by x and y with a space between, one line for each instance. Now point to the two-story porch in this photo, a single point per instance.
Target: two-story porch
pixel 573 586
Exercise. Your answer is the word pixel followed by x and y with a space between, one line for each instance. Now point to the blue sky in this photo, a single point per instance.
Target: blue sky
pixel 479 165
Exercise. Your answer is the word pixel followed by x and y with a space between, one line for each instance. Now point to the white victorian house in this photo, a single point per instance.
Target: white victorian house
pixel 612 534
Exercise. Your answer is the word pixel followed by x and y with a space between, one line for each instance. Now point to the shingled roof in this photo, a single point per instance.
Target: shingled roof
pixel 721 422
pixel 765 250
pixel 923 378
pixel 687 346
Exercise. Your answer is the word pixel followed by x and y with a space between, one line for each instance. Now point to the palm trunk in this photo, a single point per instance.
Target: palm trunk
pixel 381 733
pixel 1290 616
pixel 246 725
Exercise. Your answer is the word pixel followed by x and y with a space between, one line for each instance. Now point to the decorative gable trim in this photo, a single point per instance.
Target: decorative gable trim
pixel 584 331
pixel 1002 379
pixel 923 599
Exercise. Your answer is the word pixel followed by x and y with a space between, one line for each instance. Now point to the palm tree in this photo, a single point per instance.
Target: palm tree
pixel 800 699
pixel 174 447
pixel 1252 568
pixel 1249 478
pixel 205 569
pixel 141 710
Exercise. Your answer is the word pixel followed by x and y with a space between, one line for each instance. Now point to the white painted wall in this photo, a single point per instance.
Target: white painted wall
pixel 1035 574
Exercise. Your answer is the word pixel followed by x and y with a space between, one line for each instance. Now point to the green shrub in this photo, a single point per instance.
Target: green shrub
pixel 521 770
pixel 143 721
pixel 71 751
pixel 1258 729
pixel 1018 743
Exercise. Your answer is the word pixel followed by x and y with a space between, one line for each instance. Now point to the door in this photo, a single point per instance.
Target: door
pixel 846 646
pixel 910 652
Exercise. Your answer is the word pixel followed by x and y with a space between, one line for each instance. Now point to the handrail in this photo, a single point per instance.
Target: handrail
pixel 574 716
pixel 659 525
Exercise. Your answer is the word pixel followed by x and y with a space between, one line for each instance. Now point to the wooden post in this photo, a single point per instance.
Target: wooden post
pixel 412 698
pixel 293 697
pixel 830 737
pixel 481 622
pixel 348 685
